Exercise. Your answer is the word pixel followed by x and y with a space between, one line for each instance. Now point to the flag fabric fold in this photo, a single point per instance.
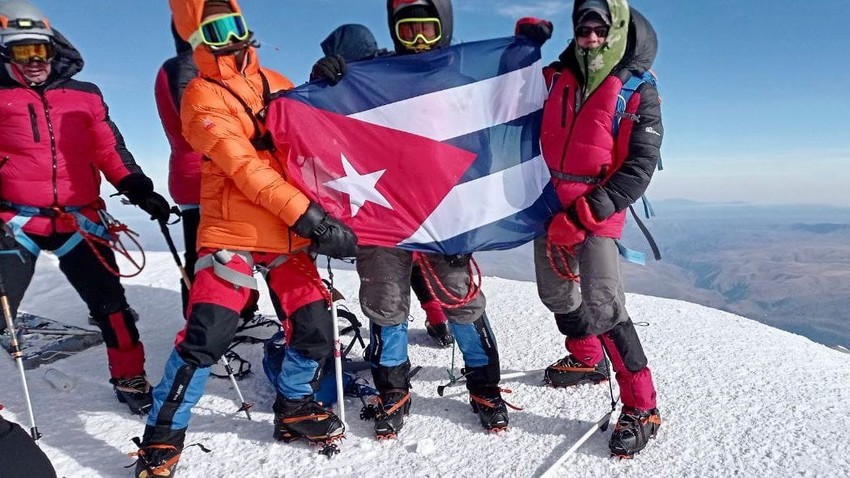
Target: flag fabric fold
pixel 433 152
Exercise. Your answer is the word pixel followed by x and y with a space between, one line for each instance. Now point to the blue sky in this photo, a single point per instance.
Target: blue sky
pixel 755 92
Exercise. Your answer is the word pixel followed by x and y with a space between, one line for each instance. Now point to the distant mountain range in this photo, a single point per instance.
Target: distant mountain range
pixel 785 266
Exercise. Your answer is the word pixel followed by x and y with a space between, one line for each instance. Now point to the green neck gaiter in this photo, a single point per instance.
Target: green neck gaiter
pixel 596 63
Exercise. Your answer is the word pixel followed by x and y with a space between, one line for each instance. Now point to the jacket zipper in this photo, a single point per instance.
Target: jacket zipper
pixel 570 132
pixel 52 147
pixel 580 101
pixel 36 136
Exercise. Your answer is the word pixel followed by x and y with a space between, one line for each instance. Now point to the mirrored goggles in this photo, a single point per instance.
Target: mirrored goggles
pixel 422 31
pixel 219 31
pixel 23 54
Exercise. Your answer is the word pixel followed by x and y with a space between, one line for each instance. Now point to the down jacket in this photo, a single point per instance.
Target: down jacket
pixel 184 165
pixel 246 201
pixel 588 164
pixel 55 141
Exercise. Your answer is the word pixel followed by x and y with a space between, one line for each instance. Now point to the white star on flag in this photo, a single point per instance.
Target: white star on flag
pixel 359 187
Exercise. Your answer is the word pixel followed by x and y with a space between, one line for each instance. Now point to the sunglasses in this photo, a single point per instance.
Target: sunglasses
pixel 219 31
pixel 411 31
pixel 23 54
pixel 585 31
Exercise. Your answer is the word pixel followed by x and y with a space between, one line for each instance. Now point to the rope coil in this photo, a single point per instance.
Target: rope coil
pixel 453 301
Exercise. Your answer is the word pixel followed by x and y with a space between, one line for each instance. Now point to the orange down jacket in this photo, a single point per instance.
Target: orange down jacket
pixel 246 201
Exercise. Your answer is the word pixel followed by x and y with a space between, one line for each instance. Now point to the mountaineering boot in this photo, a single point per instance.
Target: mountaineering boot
pixel 305 418
pixel 157 460
pixel 568 371
pixel 633 430
pixel 435 323
pixel 492 410
pixel 135 392
pixel 392 406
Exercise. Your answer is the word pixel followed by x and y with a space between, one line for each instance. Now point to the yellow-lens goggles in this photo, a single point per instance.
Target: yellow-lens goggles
pixel 219 31
pixel 418 31
pixel 23 54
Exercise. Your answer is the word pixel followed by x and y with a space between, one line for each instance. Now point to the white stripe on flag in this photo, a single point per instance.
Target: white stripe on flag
pixel 485 200
pixel 454 112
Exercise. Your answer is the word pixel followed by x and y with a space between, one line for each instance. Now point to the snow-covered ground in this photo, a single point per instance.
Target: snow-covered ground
pixel 737 398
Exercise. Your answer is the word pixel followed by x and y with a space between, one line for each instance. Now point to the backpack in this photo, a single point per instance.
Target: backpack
pixel 626 92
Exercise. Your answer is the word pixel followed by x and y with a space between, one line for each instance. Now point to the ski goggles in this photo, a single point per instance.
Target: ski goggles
pixel 219 31
pixel 23 54
pixel 422 31
pixel 584 31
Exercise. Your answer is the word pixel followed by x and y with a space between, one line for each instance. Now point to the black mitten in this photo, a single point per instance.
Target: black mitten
pixel 330 237
pixel 331 68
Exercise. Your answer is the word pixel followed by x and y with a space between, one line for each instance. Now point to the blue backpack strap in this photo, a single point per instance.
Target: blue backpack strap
pixel 625 95
pixel 631 255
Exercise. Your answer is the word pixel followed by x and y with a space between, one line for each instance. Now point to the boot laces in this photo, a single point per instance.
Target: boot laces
pixel 632 418
pixel 137 384
pixel 494 401
pixel 306 411
pixel 156 458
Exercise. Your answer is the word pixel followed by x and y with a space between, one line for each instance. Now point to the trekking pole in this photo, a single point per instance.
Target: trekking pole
pixel 600 425
pixel 244 406
pixel 163 226
pixel 340 391
pixel 18 355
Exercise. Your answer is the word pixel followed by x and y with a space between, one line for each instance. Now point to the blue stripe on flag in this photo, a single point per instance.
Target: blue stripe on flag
pixel 509 145
pixel 445 68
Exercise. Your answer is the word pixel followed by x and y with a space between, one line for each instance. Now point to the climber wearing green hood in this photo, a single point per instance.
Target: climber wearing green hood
pixel 601 162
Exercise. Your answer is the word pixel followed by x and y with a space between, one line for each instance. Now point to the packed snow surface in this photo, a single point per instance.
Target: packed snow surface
pixel 737 398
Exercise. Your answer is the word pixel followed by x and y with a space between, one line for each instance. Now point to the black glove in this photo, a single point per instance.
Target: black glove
pixel 458 260
pixel 534 29
pixel 139 191
pixel 330 68
pixel 330 237
pixel 7 237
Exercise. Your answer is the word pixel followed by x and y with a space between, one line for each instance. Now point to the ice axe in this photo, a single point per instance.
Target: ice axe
pixel 163 226
pixel 16 351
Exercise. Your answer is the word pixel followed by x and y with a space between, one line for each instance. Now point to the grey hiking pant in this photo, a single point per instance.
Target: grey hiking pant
pixel 597 261
pixel 385 286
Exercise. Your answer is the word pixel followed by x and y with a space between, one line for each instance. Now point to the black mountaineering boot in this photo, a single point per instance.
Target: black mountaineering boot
pixel 305 418
pixel 568 371
pixel 633 430
pixel 135 392
pixel 156 461
pixel 491 409
pixel 392 406
pixel 158 452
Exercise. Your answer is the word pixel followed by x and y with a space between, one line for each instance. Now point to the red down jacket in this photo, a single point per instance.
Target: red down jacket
pixel 588 164
pixel 55 141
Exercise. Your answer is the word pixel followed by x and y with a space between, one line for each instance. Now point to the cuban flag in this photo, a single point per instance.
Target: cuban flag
pixel 433 152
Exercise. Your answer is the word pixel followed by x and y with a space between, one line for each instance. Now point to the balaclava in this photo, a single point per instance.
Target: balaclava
pixel 597 63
